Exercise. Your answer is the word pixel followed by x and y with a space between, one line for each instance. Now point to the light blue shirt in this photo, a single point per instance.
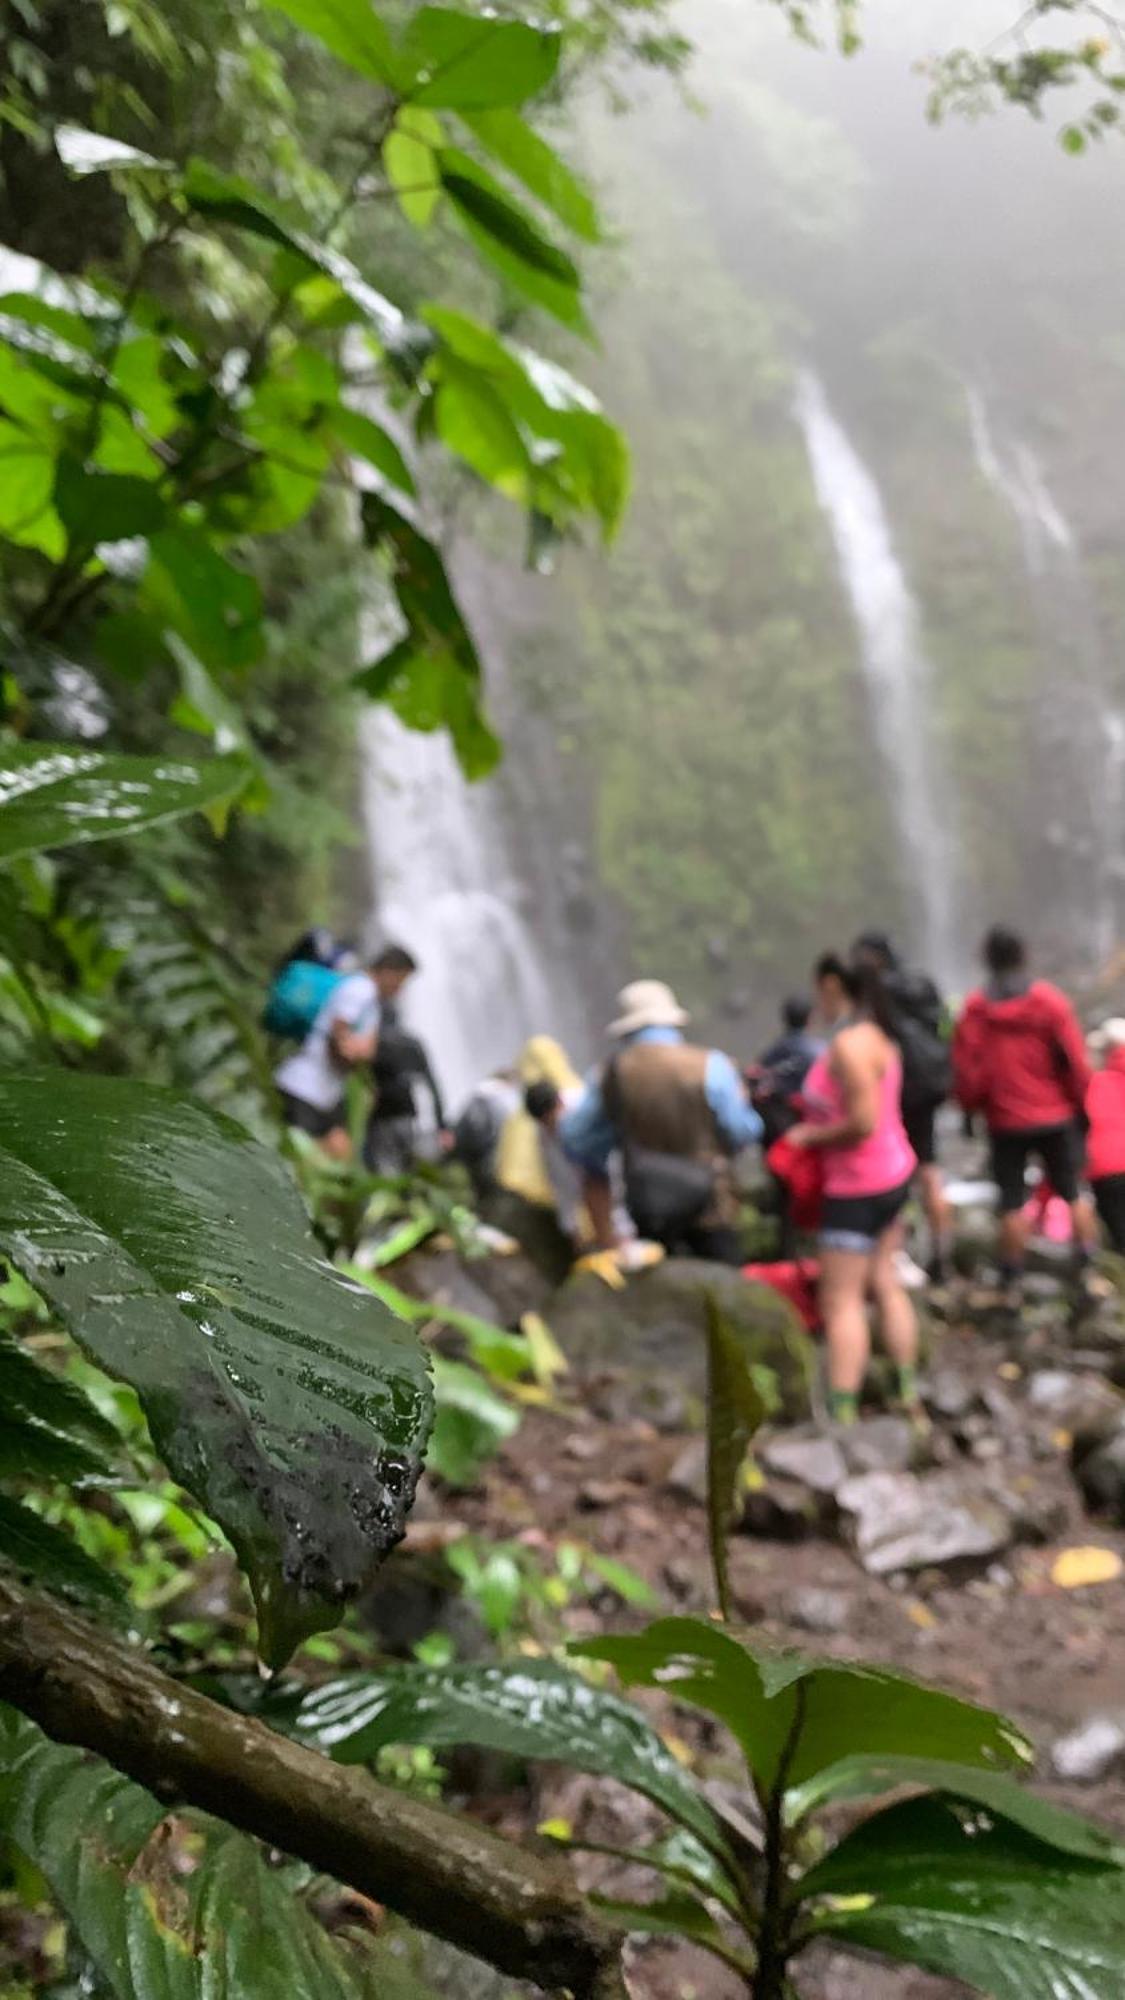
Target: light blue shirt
pixel 590 1137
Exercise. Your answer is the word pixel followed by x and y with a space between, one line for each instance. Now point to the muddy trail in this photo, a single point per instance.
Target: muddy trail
pixel 930 1549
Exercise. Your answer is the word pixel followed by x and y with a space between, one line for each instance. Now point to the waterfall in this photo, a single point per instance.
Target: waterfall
pixel 1084 737
pixel 898 674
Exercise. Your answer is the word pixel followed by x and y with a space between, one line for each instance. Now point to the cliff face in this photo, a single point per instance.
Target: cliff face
pixel 960 293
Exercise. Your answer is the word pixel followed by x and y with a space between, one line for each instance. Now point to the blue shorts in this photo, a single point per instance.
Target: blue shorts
pixel 857 1221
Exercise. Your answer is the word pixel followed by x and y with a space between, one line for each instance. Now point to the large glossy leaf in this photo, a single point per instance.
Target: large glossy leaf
pixel 294 1406
pixel 926 1882
pixel 216 607
pixel 468 61
pixel 592 461
pixel 815 1710
pixel 473 420
pixel 105 506
pixel 43 1554
pixel 53 794
pixel 471 1422
pixel 227 198
pixel 676 1914
pixel 42 1396
pixel 1000 1796
pixel 509 237
pixel 226 1927
pixel 532 1708
pixel 735 1409
pixel 350 28
pixel 512 141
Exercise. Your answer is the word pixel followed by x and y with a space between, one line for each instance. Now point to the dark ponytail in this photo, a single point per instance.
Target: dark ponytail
pixel 864 987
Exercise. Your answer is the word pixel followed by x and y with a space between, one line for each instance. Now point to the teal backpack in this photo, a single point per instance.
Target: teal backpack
pixel 297 995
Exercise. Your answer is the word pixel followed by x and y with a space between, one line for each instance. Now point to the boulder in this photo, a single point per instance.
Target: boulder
pixel 1100 1472
pixel 883 1444
pixel 812 1460
pixel 655 1328
pixel 949 1394
pixel 494 1288
pixel 819 1610
pixel 902 1521
pixel 1082 1404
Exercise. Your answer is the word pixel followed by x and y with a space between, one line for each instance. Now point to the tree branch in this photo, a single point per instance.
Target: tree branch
pixel 519 1911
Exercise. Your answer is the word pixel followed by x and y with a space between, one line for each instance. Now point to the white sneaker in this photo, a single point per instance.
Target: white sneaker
pixel 908 1273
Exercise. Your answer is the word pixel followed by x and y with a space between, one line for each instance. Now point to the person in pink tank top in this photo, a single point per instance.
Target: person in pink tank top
pixel 853 1100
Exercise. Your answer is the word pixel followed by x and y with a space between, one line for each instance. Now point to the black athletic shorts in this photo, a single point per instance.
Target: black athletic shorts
pixel 856 1222
pixel 919 1122
pixel 307 1118
pixel 1057 1148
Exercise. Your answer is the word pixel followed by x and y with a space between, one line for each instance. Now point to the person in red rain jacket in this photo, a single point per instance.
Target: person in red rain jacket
pixel 1019 1057
pixel 1105 1139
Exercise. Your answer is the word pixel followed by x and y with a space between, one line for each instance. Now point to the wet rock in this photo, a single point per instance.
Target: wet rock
pixel 900 1521
pixel 494 1288
pixel 819 1610
pixel 600 1493
pixel 882 1444
pixel 1100 1473
pixel 1043 1288
pixel 1082 1404
pixel 655 1330
pixel 687 1475
pixel 949 1394
pixel 814 1461
pixel 782 1510
pixel 1091 1751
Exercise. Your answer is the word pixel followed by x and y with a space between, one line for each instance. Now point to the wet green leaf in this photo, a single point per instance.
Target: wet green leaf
pixel 928 1882
pixel 531 1708
pixel 677 1914
pixel 509 237
pixel 45 1555
pixel 520 149
pixel 350 28
pixel 54 794
pixel 105 506
pixel 473 420
pixel 231 1925
pixel 27 488
pixel 735 1410
pixel 1000 1796
pixel 838 1708
pixel 470 61
pixel 411 168
pixel 27 1389
pixel 471 1422
pixel 366 439
pixel 217 607
pixel 294 1407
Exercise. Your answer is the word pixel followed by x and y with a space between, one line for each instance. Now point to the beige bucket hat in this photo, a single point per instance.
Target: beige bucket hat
pixel 647 1003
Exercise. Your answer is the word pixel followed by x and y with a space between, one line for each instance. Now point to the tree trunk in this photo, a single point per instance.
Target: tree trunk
pixel 520 1912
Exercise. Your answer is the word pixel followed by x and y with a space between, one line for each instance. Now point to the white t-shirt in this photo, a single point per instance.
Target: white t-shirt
pixel 313 1074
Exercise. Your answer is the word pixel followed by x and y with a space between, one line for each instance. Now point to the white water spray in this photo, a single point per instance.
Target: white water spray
pixel 1085 724
pixel 899 676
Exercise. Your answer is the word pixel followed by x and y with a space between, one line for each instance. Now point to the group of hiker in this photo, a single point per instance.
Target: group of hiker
pixel 844 1103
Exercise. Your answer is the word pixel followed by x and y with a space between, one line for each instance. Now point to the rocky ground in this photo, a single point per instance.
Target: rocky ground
pixel 935 1553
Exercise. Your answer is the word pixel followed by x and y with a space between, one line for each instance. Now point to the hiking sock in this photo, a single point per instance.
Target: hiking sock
pixel 906 1379
pixel 843 1406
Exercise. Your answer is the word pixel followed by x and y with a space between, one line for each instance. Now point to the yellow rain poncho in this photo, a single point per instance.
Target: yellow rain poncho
pixel 520 1166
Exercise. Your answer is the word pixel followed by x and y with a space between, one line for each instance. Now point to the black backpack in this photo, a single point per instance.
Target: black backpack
pixel 927 1067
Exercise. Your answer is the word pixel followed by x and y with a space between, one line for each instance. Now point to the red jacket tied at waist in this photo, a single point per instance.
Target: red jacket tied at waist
pixel 1021 1060
pixel 1105 1109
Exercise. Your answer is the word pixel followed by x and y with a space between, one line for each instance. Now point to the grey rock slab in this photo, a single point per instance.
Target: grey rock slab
pixel 687 1475
pixel 900 1521
pixel 816 1462
pixel 949 1393
pixel 881 1444
pixel 819 1610
pixel 1091 1751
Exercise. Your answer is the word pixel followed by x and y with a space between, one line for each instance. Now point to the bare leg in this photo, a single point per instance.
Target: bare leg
pixel 898 1321
pixel 843 1308
pixel 939 1214
pixel 337 1143
pixel 1084 1218
pixel 1013 1240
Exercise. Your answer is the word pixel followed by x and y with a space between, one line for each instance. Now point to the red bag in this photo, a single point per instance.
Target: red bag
pixel 796 1282
pixel 801 1173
